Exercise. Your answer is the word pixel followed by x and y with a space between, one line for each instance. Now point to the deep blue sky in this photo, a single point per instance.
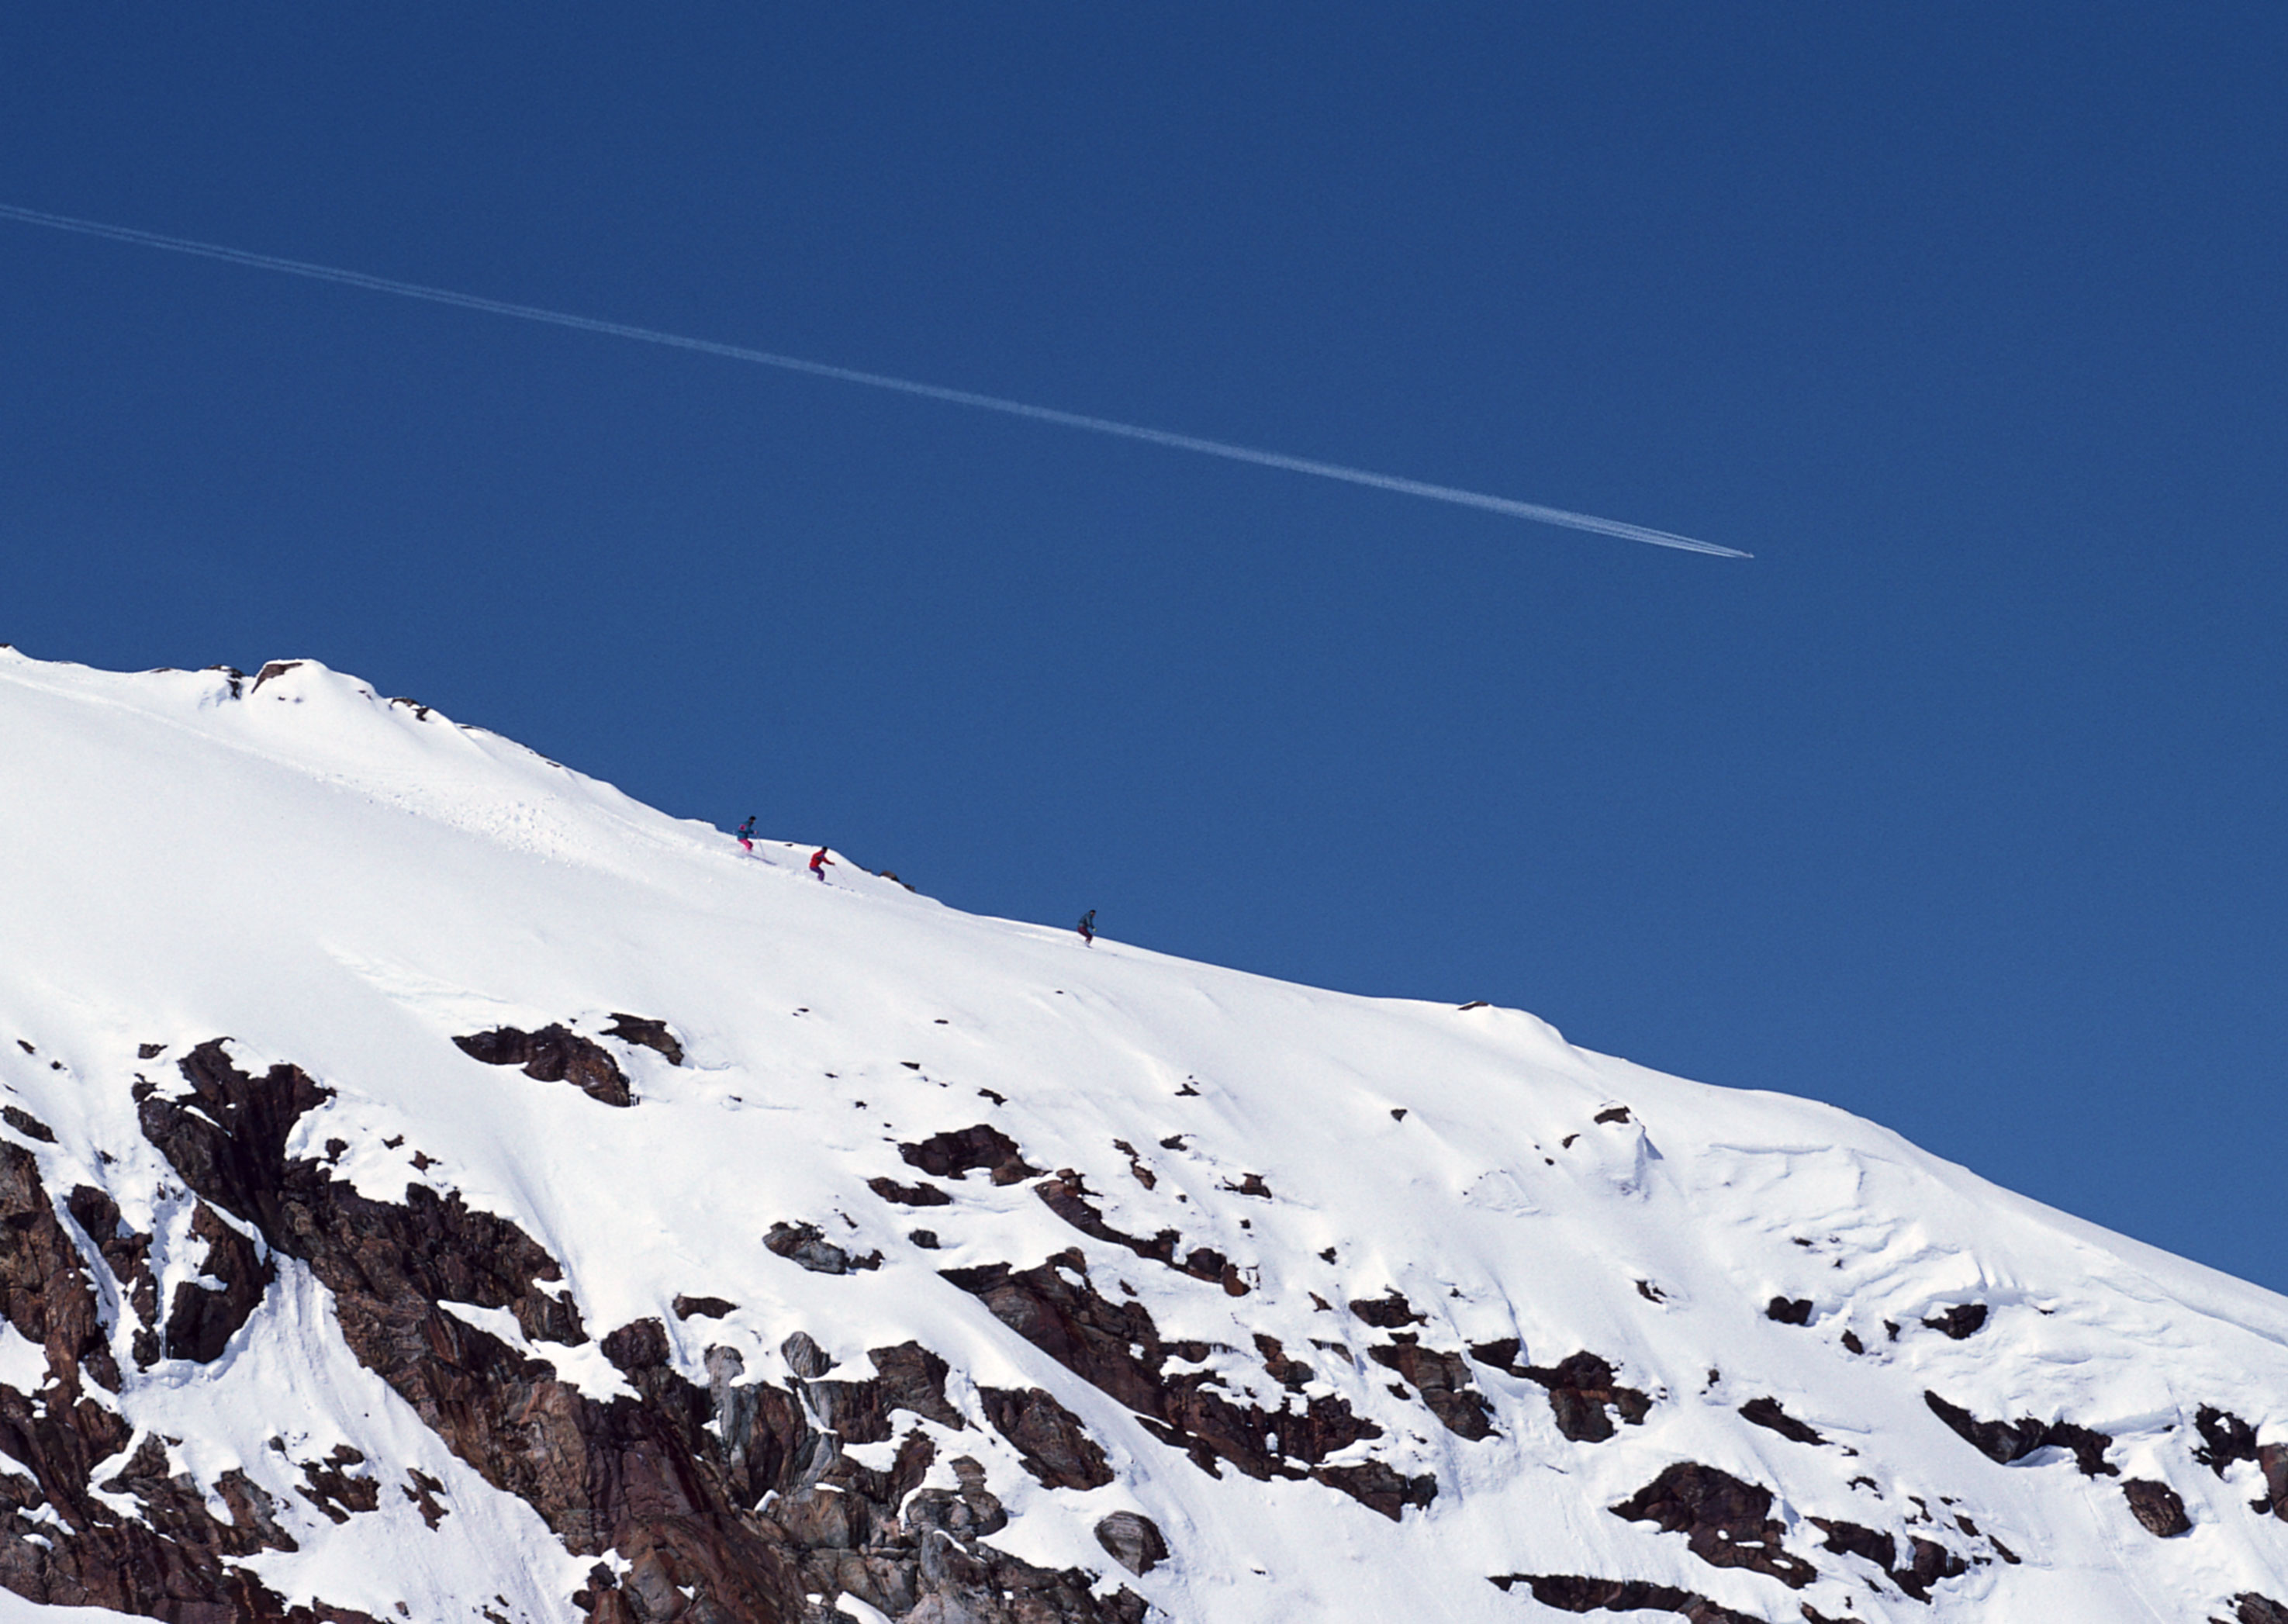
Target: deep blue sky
pixel 1961 806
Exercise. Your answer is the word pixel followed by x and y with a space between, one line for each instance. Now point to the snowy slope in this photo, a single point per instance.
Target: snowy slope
pixel 341 885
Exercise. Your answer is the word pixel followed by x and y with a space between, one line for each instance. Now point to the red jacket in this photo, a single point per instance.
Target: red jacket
pixel 819 860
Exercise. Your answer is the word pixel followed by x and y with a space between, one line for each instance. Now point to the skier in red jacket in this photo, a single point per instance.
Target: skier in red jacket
pixel 820 863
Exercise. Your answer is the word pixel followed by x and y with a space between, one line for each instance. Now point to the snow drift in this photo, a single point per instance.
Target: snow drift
pixel 437 1186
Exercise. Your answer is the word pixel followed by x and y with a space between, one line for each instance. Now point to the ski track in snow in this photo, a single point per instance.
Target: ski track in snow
pixel 334 880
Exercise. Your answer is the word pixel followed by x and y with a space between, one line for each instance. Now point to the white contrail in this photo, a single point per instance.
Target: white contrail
pixel 851 374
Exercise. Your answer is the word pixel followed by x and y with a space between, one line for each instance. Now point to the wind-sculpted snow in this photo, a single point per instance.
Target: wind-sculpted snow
pixel 433 1185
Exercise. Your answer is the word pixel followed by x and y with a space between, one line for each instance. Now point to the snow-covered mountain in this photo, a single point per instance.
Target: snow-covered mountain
pixel 437 1187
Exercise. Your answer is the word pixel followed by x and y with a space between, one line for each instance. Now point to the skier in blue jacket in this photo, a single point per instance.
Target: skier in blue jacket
pixel 747 832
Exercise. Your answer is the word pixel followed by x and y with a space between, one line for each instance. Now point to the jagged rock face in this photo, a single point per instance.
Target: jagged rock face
pixel 557 1054
pixel 648 1477
pixel 1726 1522
pixel 542 1247
pixel 2159 1508
pixel 1583 1393
pixel 1116 1347
pixel 172 1559
pixel 1926 1561
pixel 1569 1592
pixel 2008 1442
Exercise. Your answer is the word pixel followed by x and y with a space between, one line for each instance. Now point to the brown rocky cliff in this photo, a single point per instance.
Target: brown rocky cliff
pixel 649 1477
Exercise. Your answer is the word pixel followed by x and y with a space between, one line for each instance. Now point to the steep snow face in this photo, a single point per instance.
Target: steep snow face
pixel 437 1186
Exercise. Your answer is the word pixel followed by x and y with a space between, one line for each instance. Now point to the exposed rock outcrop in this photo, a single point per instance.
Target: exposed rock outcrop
pixel 2007 1441
pixel 1116 1347
pixel 1391 1311
pixel 1726 1522
pixel 646 1034
pixel 1442 1380
pixel 202 1319
pixel 2157 1506
pixel 962 1151
pixel 2225 1438
pixel 1056 1448
pixel 909 1195
pixel 1768 1414
pixel 1571 1593
pixel 60 1543
pixel 553 1054
pixel 1584 1394
pixel 1928 1561
pixel 1961 1321
pixel 2272 1459
pixel 127 1253
pixel 1133 1540
pixel 732 1501
pixel 806 1244
pixel 1067 1196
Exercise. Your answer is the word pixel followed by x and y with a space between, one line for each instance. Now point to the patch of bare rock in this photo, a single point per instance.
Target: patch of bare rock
pixel 1584 1394
pixel 2009 1441
pixel 1726 1522
pixel 1118 1349
pixel 553 1054
pixel 1926 1562
pixel 1767 1413
pixel 731 1500
pixel 963 1150
pixel 1570 1593
pixel 807 1245
pixel 1067 1196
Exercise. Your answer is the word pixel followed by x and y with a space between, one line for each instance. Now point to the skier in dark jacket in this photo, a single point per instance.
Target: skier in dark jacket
pixel 747 832
pixel 820 863
pixel 1088 929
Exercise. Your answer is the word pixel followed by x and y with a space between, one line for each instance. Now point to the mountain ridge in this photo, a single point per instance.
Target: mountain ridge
pixel 1239 1300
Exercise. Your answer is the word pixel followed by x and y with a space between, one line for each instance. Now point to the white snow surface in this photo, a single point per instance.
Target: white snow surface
pixel 330 878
